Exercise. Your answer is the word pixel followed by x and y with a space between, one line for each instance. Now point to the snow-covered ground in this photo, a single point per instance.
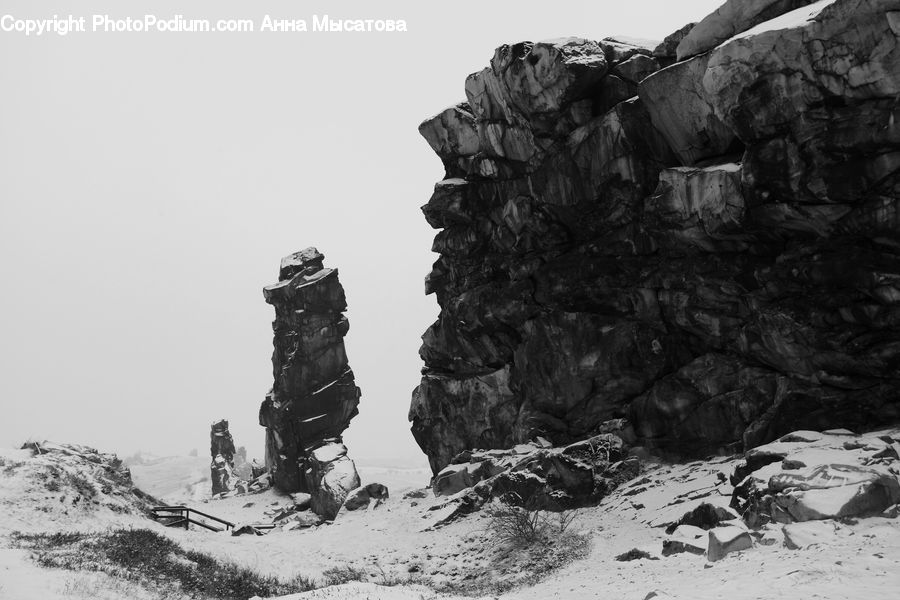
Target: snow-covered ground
pixel 174 479
pixel 396 542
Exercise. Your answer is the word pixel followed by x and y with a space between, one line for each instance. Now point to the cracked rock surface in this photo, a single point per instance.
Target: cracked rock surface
pixel 709 248
pixel 314 394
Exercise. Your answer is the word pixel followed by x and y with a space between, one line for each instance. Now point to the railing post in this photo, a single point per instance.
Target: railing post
pixel 187 519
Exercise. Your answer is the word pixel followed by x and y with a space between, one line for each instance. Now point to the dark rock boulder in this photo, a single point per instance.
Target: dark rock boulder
pixel 314 394
pixel 538 477
pixel 329 476
pixel 371 495
pixel 705 516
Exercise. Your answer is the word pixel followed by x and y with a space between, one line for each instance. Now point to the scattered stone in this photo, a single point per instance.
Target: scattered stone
pixel 301 520
pixel 579 474
pixel 723 540
pixel 367 496
pixel 671 547
pixel 246 530
pixel 705 516
pixel 635 554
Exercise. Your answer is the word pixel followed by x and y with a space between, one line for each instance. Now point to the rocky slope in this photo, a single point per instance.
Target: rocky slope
pixel 314 395
pixel 710 249
pixel 49 486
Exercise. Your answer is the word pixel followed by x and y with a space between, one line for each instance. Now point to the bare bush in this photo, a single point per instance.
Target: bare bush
pixel 343 574
pixel 516 525
pixel 564 519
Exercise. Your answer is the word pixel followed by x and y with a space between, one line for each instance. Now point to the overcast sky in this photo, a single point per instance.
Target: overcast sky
pixel 151 182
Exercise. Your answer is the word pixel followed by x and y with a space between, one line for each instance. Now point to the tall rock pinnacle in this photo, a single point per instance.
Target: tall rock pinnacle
pixel 314 395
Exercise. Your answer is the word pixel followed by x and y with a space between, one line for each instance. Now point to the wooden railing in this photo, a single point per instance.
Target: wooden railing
pixel 180 516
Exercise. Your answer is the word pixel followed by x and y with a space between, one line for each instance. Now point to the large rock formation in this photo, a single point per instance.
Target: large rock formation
pixel 314 395
pixel 711 250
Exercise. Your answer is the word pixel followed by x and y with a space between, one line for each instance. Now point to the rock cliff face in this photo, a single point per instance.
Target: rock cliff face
pixel 710 249
pixel 314 395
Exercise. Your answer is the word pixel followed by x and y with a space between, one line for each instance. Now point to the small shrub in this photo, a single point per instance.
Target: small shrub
pixel 155 562
pixel 81 485
pixel 343 574
pixel 564 519
pixel 392 579
pixel 516 526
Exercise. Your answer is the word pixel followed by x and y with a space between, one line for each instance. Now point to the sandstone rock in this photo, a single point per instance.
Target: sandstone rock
pixel 246 530
pixel 301 520
pixel 257 469
pixel 686 538
pixel 578 474
pixel 730 19
pixel 666 51
pixel 671 547
pixel 832 491
pixel 699 208
pixel 535 79
pixel 637 68
pixel 222 452
pixel 705 516
pixel 798 536
pixel 723 540
pixel 454 478
pixel 314 395
pixel 330 475
pixel 370 495
pixel 301 500
pixel 677 102
pixel 813 476
pixel 715 260
pixel 452 133
pixel 805 106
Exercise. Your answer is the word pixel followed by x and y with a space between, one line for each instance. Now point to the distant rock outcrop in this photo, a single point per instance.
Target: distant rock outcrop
pixel 221 448
pixel 710 250
pixel 314 395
